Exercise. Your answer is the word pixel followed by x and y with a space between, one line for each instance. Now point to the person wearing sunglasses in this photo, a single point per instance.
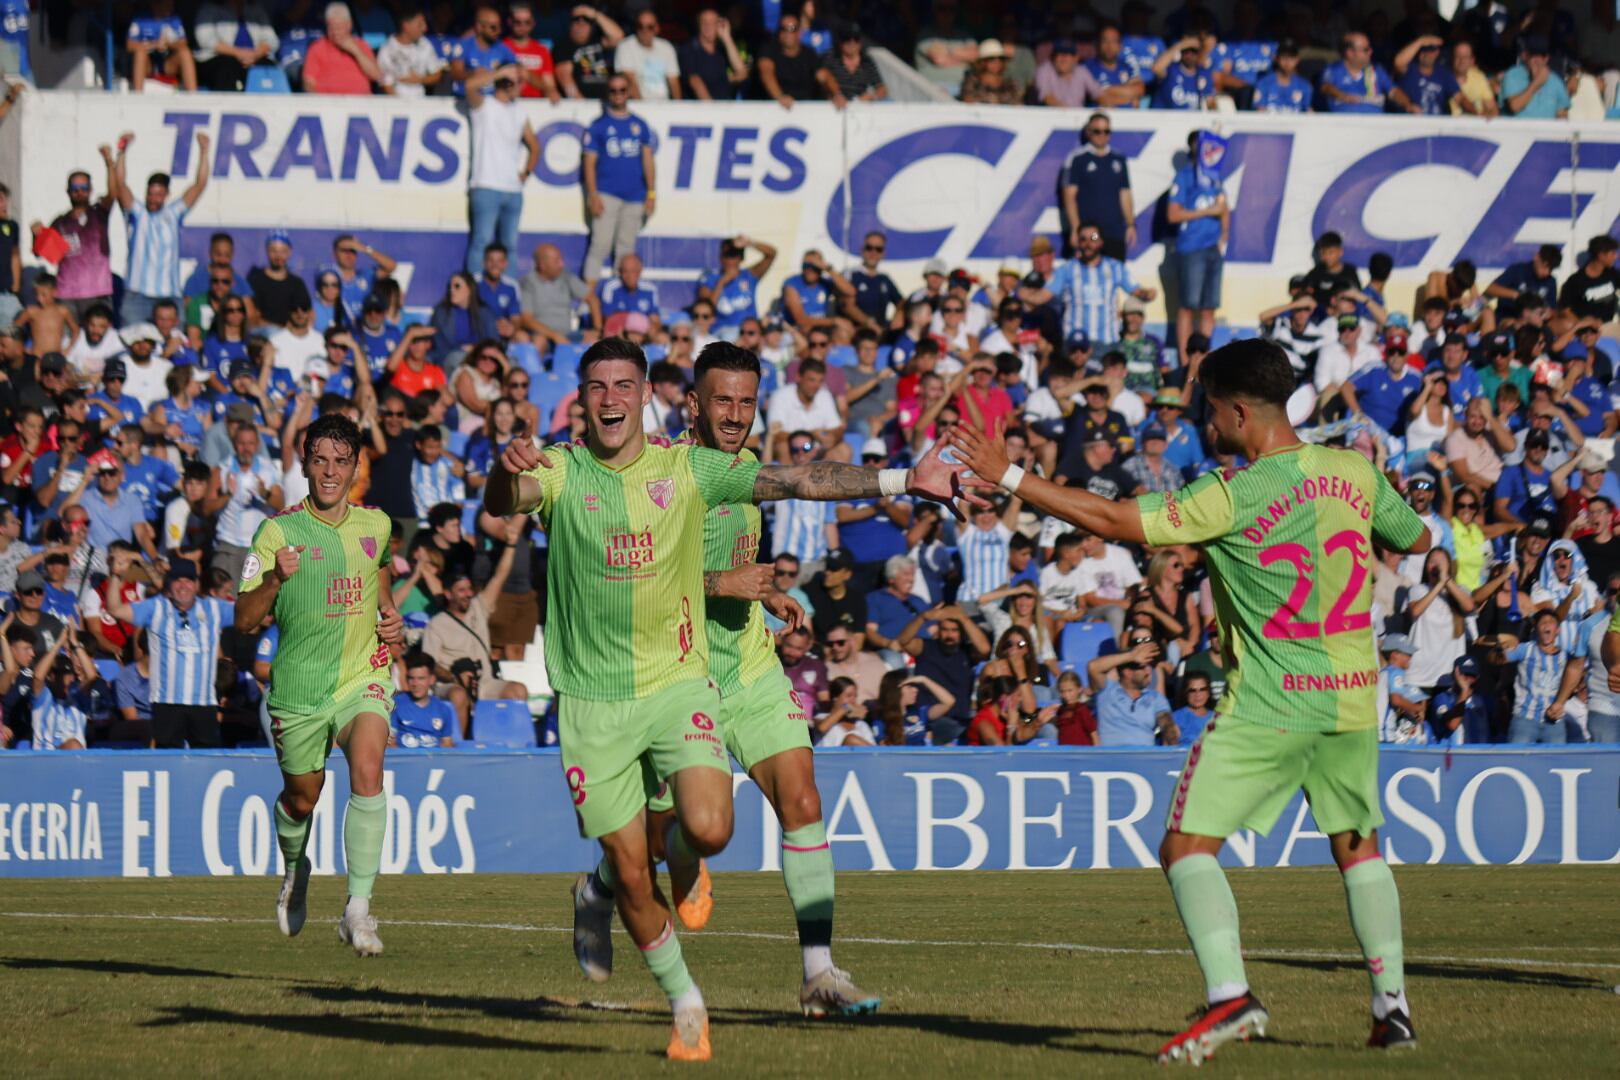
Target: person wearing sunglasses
pixel 733 289
pixel 878 303
pixel 812 299
pixel 532 54
pixel 1097 189
pixel 649 61
pixel 84 276
pixel 1474 537
pixel 1085 288
pixel 585 61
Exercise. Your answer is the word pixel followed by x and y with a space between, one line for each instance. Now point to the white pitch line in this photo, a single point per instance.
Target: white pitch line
pixel 1105 950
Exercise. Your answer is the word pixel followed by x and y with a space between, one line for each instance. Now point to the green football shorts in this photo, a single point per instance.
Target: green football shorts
pixel 758 722
pixel 1240 775
pixel 615 754
pixel 304 740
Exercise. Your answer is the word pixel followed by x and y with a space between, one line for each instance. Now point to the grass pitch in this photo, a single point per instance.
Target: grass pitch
pixel 1510 971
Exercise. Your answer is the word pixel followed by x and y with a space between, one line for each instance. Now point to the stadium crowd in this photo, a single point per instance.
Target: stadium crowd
pixel 1542 61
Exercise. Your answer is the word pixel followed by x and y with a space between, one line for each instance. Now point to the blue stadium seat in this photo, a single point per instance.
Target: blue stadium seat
pixel 547 389
pixel 267 80
pixel 503 723
pixel 884 353
pixel 841 356
pixel 1084 642
pixel 108 670
pixel 457 443
pixel 565 359
pixel 656 353
pixel 525 356
pixel 469 516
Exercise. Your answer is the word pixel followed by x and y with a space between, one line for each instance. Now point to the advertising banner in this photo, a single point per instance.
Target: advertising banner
pixel 161 813
pixel 968 184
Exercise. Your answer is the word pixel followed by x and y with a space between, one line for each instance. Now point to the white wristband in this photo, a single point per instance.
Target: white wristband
pixel 1011 479
pixel 892 482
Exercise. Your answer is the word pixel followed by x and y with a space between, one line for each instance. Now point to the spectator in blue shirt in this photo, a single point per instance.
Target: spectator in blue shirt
pixel 734 288
pixel 115 513
pixel 616 168
pixel 355 283
pixel 153 479
pixel 482 50
pixel 890 608
pixel 497 292
pixel 1283 90
pixel 421 719
pixel 14 32
pixel 1531 90
pixel 877 297
pixel 1194 716
pixel 1096 188
pixel 623 294
pixel 1384 394
pixel 1186 83
pixel 1354 84
pixel 813 299
pixel 157 48
pixel 111 408
pixel 377 339
pixel 1521 280
pixel 1197 207
pixel 1129 711
pixel 1429 85
pixel 1120 78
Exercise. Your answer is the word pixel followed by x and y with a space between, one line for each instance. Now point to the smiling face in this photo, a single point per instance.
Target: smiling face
pixel 614 392
pixel 723 407
pixel 330 466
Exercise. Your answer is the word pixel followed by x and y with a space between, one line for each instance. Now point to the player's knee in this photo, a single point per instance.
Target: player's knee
pixel 298 805
pixel 708 830
pixel 800 808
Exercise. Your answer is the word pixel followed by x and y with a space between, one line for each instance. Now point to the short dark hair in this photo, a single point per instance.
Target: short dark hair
pixel 724 356
pixel 1020 542
pixel 331 401
pixel 442 514
pixel 865 334
pixel 417 659
pixel 1602 244
pixel 495 245
pixel 665 372
pixel 613 348
pixel 811 364
pixel 166 304
pixel 1066 541
pixel 1381 265
pixel 926 346
pixel 1551 254
pixel 196 470
pixel 1253 368
pixel 429 433
pixel 125 545
pixel 334 426
pixel 161 179
pixel 99 309
pixel 214 238
pixel 1329 239
pixel 1008 364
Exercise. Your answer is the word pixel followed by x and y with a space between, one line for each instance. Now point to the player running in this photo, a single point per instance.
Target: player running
pixel 764 723
pixel 1288 542
pixel 625 649
pixel 321 569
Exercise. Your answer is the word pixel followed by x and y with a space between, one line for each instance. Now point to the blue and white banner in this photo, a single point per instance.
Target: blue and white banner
pixel 162 813
pixel 967 184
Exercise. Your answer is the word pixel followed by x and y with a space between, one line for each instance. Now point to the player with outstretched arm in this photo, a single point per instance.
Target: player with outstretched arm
pixel 320 568
pixel 1288 541
pixel 627 645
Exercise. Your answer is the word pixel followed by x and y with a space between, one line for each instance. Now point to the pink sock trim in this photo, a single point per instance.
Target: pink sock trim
pixel 667 933
pixel 823 846
pixel 1364 858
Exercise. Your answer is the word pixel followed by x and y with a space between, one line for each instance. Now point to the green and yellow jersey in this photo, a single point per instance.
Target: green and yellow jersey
pixel 1289 547
pixel 741 647
pixel 626 614
pixel 327 611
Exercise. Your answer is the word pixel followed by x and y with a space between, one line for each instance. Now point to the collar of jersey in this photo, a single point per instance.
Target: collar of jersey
pixel 309 508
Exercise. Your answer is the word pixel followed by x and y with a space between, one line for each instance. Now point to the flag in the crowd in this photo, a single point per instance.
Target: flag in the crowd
pixel 1211 155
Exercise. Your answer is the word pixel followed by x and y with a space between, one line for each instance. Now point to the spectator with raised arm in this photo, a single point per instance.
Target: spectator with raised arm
pixel 585 62
pixel 505 152
pixel 153 272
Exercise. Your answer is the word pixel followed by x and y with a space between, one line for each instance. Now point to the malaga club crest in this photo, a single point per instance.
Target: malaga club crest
pixel 661 492
pixel 368 544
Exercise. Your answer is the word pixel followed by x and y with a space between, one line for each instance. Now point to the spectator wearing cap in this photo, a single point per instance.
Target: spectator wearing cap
pixel 375 336
pixel 1151 470
pixel 340 62
pixel 183 634
pixel 1184 82
pixel 1182 447
pixel 1096 188
pixel 1392 395
pixel 110 407
pixel 1354 83
pixel 946 652
pixel 734 288
pixel 84 275
pixel 1117 75
pixel 1500 366
pixel 115 513
pixel 1402 705
pixel 935 279
pixel 837 603
pixel 1531 90
pixel 231 37
pixel 1143 352
pixel 1283 90
pixel 1092 467
pixel 1525 488
pixel 1460 710
pixel 153 272
pixel 1421 497
pixel 981 403
pixel 1061 81
pixel 848 74
pixel 1085 288
pixel 277 291
pixel 1342 359
pixel 1197 207
pixel 986 81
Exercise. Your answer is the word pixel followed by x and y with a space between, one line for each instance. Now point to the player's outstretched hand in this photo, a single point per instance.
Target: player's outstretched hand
pixel 985 456
pixel 522 455
pixel 287 562
pixel 940 481
pixel 391 627
pixel 784 607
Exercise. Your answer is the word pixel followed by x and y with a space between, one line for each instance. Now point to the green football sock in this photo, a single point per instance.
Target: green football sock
pixel 1375 915
pixel 663 956
pixel 807 869
pixel 600 886
pixel 1210 915
pixel 363 829
pixel 293 836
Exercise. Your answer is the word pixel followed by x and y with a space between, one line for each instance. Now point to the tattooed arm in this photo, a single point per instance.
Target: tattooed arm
pixel 819 480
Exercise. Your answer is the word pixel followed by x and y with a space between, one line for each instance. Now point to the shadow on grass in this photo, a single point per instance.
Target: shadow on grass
pixel 358 1028
pixel 501 1008
pixel 1497 976
pixel 115 967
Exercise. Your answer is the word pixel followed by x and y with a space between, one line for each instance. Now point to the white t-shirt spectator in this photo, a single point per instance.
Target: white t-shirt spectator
pixel 652 66
pixel 498 151
pixel 398 59
pixel 1060 590
pixel 88 360
pixel 789 412
pixel 1335 365
pixel 836 734
pixel 1110 575
pixel 293 353
pixel 1129 404
pixel 146 383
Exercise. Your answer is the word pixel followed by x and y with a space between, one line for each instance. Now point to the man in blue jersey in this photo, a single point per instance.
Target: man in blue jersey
pixel 1283 89
pixel 1354 84
pixel 1085 286
pixel 376 338
pixel 1097 188
pixel 624 295
pixel 1184 83
pixel 734 288
pixel 1385 393
pixel 1121 81
pixel 157 47
pixel 420 719
pixel 811 299
pixel 183 631
pixel 617 171
pixel 497 292
pixel 153 273
pixel 1197 208
pixel 482 50
pixel 354 282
